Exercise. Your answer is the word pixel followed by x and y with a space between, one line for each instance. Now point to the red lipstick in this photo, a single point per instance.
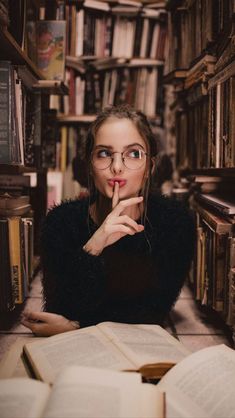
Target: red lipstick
pixel 112 182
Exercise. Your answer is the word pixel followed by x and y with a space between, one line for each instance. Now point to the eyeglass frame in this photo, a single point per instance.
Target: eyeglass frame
pixel 123 160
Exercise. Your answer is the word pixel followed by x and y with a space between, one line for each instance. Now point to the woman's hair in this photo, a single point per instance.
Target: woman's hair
pixel 141 123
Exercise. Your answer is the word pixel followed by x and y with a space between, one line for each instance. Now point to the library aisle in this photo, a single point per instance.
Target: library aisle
pixel 193 326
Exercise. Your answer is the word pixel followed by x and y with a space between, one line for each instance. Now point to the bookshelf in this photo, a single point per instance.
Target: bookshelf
pixel 200 72
pixel 26 146
pixel 115 53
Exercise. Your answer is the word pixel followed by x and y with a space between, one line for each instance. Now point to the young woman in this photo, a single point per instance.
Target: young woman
pixel 120 255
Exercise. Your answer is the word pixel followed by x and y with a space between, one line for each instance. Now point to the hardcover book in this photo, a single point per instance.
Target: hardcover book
pixel 47 47
pixel 84 392
pixel 147 348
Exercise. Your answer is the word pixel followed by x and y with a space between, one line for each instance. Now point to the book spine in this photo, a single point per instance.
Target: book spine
pixel 5 112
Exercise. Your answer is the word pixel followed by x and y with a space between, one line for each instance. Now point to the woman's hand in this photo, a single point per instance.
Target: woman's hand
pixel 44 324
pixel 115 225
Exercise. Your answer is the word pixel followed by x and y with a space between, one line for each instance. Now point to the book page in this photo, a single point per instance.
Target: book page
pixel 144 344
pixel 85 347
pixel 89 392
pixel 20 397
pixel 202 385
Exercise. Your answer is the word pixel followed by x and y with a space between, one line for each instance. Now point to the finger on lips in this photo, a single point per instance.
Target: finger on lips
pixel 115 199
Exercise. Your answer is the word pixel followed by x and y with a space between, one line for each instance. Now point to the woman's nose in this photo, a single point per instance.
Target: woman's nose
pixel 117 165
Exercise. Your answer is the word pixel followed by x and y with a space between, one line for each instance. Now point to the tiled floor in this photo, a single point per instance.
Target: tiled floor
pixel 194 327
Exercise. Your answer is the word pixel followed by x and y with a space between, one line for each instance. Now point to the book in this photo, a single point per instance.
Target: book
pixel 107 345
pixel 82 392
pixel 49 45
pixel 17 262
pixel 225 205
pixel 7 299
pixel 8 201
pixel 6 110
pixel 200 385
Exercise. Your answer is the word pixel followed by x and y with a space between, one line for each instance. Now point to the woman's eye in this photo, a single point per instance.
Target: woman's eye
pixel 134 153
pixel 103 153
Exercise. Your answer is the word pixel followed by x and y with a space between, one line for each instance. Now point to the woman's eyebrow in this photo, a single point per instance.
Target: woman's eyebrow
pixel 103 146
pixel 126 146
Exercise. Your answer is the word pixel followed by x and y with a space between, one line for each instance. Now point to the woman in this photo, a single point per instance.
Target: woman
pixel 120 255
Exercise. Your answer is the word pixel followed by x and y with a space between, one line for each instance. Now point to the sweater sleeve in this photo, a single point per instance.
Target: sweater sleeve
pixel 173 242
pixel 73 281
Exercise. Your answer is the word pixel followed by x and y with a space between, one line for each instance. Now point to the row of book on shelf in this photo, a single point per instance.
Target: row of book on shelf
pixel 195 27
pixel 16 267
pixel 28 134
pixel 125 32
pixel 213 272
pixel 205 124
pixel 117 370
pixel 16 240
pixel 92 91
pixel 90 28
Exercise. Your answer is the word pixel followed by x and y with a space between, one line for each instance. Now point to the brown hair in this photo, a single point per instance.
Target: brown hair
pixel 144 129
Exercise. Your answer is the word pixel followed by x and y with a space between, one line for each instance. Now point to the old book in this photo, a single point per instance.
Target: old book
pixel 224 205
pixel 50 48
pixel 8 201
pixel 82 392
pixel 216 222
pixel 93 392
pixel 107 345
pixel 6 135
pixel 7 299
pixel 201 385
pixel 11 205
pixel 17 262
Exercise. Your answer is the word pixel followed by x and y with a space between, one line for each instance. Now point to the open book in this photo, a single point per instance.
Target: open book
pixel 109 345
pixel 202 385
pixel 81 392
pixel 199 386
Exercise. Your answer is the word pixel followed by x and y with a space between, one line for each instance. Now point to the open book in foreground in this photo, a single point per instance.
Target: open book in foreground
pixel 199 386
pixel 109 345
pixel 81 392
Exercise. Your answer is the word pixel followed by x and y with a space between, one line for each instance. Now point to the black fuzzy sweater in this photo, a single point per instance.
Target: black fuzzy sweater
pixel 135 280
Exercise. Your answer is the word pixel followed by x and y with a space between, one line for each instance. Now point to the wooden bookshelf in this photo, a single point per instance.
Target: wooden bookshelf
pixel 204 114
pixel 51 87
pixel 30 129
pixel 66 119
pixel 225 172
pixel 16 169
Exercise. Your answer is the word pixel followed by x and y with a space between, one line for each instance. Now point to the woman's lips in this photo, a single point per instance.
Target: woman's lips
pixel 112 182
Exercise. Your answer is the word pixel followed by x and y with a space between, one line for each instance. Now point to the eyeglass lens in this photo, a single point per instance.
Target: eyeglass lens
pixel 132 158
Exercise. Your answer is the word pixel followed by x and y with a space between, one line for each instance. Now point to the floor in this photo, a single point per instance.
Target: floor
pixel 194 327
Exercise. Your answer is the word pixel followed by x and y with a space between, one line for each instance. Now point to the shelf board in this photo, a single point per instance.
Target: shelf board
pixel 225 172
pixel 90 118
pixel 84 63
pixel 51 87
pixel 76 118
pixel 11 51
pixel 175 76
pixel 16 169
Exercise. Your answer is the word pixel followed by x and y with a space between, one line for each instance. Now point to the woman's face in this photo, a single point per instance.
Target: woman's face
pixel 117 135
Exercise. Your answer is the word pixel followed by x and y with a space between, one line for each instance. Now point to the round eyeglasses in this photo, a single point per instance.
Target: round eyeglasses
pixel 132 159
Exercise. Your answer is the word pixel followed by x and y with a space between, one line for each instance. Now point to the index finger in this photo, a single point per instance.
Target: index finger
pixel 125 203
pixel 115 199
